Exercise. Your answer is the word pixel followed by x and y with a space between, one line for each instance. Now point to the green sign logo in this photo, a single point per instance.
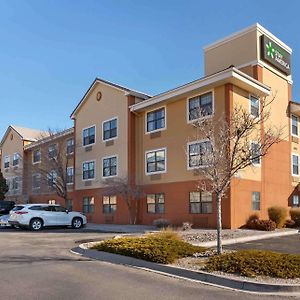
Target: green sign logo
pixel 270 49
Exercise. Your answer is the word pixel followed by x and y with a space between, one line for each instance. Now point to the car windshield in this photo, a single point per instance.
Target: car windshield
pixel 18 207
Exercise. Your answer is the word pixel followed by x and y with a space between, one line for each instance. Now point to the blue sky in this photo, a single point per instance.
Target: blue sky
pixel 51 51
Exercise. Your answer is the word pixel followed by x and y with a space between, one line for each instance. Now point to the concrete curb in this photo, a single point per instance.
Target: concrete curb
pixel 198 276
pixel 248 238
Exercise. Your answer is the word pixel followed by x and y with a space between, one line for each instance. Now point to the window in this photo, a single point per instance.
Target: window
pixel 156 161
pixel 36 181
pixel 295 165
pixel 256 200
pixel 156 120
pixel 295 201
pixel 109 204
pixel 200 203
pixel 16 159
pixel 52 151
pixel 200 106
pixel 88 169
pixel 109 166
pixel 199 154
pixel 294 125
pixel 69 205
pixel 89 136
pixel 6 162
pixel 37 207
pixel 88 205
pixel 254 106
pixel 52 175
pixel 50 202
pixel 70 146
pixel 36 156
pixel 70 175
pixel 110 129
pixel 15 183
pixel 156 203
pixel 255 153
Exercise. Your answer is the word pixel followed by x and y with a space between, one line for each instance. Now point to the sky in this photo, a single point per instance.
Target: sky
pixel 51 51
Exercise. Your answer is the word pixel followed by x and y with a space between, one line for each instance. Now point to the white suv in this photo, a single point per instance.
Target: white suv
pixel 36 216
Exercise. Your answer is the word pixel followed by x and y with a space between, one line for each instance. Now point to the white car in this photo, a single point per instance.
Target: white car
pixel 37 216
pixel 4 221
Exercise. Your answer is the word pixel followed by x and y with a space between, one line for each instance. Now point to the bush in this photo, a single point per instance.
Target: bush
pixel 290 224
pixel 253 263
pixel 264 225
pixel 186 226
pixel 160 248
pixel 161 223
pixel 295 216
pixel 250 224
pixel 278 215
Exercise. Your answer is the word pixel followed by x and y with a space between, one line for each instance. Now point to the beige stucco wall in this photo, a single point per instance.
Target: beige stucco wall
pixel 113 103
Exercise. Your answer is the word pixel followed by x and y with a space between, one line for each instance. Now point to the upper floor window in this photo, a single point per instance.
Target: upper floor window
pixel 156 203
pixel 254 106
pixel 198 154
pixel 6 161
pixel 52 151
pixel 70 175
pixel 200 202
pixel 109 204
pixel 109 166
pixel 36 156
pixel 36 181
pixel 70 146
pixel 295 165
pixel 156 161
pixel 255 200
pixel 110 129
pixel 52 176
pixel 295 125
pixel 15 183
pixel 88 169
pixel 156 120
pixel 16 159
pixel 200 106
pixel 88 205
pixel 255 153
pixel 89 136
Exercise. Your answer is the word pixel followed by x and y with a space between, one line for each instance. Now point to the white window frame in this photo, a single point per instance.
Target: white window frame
pixel 146 117
pixel 255 164
pixel 252 95
pixel 16 153
pixel 188 154
pixel 204 117
pixel 292 125
pixel 6 157
pixel 37 162
pixel 95 169
pixel 70 183
pixel 166 164
pixel 293 203
pixel 73 139
pixel 102 126
pixel 83 136
pixel 36 188
pixel 295 175
pixel 117 166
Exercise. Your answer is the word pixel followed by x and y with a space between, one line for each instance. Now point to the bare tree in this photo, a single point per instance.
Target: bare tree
pixel 129 193
pixel 232 143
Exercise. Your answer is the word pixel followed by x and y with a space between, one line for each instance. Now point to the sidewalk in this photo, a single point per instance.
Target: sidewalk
pixel 112 228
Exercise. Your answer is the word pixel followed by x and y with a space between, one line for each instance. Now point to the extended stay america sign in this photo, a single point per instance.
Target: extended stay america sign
pixel 275 55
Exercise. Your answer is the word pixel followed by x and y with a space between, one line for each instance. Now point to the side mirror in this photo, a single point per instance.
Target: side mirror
pixel 66 211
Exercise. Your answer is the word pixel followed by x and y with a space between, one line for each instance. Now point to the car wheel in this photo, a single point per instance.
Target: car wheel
pixel 77 223
pixel 36 224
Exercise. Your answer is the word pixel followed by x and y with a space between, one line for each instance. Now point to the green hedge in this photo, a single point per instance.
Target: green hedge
pixel 160 248
pixel 253 263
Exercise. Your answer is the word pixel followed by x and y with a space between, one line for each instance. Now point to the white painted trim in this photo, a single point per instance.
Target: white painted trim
pixel 292 115
pixel 295 154
pixel 82 138
pixel 95 169
pixel 156 150
pixel 189 168
pixel 117 166
pixel 204 117
pixel 146 116
pixel 255 164
pixel 102 126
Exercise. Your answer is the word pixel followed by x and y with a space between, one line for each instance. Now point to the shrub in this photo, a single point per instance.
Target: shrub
pixel 278 215
pixel 290 224
pixel 186 226
pixel 161 223
pixel 160 248
pixel 295 216
pixel 250 224
pixel 264 225
pixel 252 263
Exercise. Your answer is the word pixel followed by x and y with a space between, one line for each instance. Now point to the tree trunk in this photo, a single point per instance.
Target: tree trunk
pixel 219 224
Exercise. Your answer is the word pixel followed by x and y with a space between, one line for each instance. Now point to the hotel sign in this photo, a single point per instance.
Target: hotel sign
pixel 275 55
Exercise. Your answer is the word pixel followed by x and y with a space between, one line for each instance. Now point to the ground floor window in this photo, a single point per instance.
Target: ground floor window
pixel 256 200
pixel 51 202
pixel 200 202
pixel 156 203
pixel 295 201
pixel 109 204
pixel 88 205
pixel 69 205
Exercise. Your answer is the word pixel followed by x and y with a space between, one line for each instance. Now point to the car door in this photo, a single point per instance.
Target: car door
pixel 49 215
pixel 61 216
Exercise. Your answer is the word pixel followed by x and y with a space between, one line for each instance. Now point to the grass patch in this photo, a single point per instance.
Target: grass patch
pixel 252 263
pixel 163 247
